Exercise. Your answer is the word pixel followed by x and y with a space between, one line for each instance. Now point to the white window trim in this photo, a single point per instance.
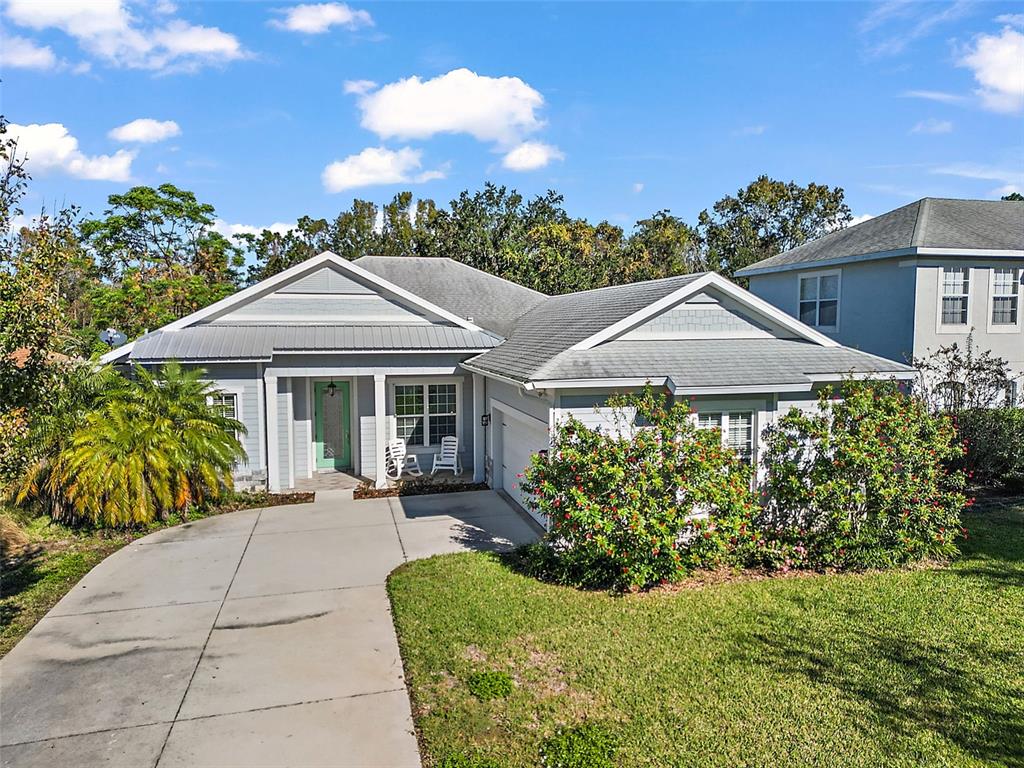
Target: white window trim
pixel 763 410
pixel 959 329
pixel 238 392
pixel 425 382
pixel 1005 328
pixel 819 273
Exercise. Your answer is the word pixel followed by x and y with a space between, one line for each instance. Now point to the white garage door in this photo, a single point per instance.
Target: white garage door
pixel 519 441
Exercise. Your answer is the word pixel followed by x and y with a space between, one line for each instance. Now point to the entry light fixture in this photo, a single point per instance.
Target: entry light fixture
pixel 332 388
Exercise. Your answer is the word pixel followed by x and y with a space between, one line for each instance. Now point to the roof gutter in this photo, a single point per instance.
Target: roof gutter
pixel 984 253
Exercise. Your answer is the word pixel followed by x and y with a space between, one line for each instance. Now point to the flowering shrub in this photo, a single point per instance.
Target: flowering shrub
pixel 993 440
pixel 643 501
pixel 862 483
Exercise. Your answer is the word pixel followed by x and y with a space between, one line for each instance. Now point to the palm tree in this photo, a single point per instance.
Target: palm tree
pixel 150 445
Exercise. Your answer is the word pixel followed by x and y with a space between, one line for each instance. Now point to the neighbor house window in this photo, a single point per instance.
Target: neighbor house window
pixel 819 300
pixel 1005 296
pixel 956 292
pixel 425 413
pixel 737 430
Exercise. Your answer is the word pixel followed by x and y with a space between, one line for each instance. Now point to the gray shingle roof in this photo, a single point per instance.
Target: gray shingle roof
pixel 928 223
pixel 259 342
pixel 715 362
pixel 558 323
pixel 492 302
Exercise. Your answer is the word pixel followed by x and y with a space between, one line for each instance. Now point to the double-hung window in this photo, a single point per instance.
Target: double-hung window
pixel 737 430
pixel 1005 296
pixel 819 300
pixel 225 403
pixel 425 413
pixel 956 295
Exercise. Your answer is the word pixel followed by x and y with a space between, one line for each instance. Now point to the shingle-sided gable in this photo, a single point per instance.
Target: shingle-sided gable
pixel 562 321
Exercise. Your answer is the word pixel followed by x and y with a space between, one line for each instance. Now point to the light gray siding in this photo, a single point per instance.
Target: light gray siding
pixel 326 280
pixel 284 410
pixel 309 308
pixel 241 380
pixel 302 425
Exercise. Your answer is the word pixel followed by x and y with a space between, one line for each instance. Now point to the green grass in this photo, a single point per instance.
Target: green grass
pixel 900 668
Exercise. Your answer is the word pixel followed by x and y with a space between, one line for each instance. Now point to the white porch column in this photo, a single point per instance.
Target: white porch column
pixel 478 428
pixel 380 423
pixel 289 403
pixel 273 469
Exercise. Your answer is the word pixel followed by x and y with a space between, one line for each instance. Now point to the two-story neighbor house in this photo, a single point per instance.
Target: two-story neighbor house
pixel 330 359
pixel 910 281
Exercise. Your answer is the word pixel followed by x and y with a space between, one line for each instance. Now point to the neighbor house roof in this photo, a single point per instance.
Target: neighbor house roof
pixel 489 301
pixel 560 322
pixel 224 342
pixel 696 364
pixel 927 227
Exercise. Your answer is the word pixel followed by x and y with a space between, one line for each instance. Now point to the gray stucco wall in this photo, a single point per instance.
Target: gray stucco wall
pixel 876 305
pixel 1007 343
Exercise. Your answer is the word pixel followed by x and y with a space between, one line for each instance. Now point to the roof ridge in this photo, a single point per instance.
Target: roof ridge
pixel 920 223
pixel 693 275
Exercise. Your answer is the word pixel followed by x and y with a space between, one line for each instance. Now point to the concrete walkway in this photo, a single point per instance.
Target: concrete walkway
pixel 258 638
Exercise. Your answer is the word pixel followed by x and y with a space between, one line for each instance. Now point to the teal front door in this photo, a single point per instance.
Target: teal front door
pixel 332 428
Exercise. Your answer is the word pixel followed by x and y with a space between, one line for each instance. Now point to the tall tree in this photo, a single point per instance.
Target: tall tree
pixel 166 231
pixel 766 218
pixel 661 246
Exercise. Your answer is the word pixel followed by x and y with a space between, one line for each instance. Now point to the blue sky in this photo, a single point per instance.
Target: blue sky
pixel 271 111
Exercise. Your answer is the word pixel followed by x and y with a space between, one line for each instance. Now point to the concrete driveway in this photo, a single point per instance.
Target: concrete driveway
pixel 258 638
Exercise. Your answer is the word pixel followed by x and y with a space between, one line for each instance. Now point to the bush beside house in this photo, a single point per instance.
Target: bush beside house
pixel 993 442
pixel 863 483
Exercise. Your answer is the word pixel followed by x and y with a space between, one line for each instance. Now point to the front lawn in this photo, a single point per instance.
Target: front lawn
pixel 902 668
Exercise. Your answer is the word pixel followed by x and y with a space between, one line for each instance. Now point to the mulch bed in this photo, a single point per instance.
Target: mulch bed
pixel 263 499
pixel 415 488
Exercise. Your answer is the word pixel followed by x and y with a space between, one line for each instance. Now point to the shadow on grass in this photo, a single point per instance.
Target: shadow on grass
pixel 28 571
pixel 909 685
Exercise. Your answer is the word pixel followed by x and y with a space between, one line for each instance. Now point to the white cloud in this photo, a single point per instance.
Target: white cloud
pixel 108 30
pixel 1008 189
pixel 21 53
pixel 531 155
pixel 1013 19
pixel 230 230
pixel 145 130
pixel 751 130
pixel 860 219
pixel 377 165
pixel 638 187
pixel 915 21
pixel 1010 178
pixel 317 18
pixel 49 147
pixel 491 109
pixel 940 96
pixel 997 62
pixel 359 86
pixel 932 125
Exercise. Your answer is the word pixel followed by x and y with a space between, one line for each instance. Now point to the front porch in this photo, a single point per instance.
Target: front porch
pixel 327 426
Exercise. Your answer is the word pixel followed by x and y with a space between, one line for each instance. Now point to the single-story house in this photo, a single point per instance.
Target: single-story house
pixel 329 359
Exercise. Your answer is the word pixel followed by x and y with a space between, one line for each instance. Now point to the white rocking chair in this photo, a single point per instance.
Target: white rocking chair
pixel 397 460
pixel 448 458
